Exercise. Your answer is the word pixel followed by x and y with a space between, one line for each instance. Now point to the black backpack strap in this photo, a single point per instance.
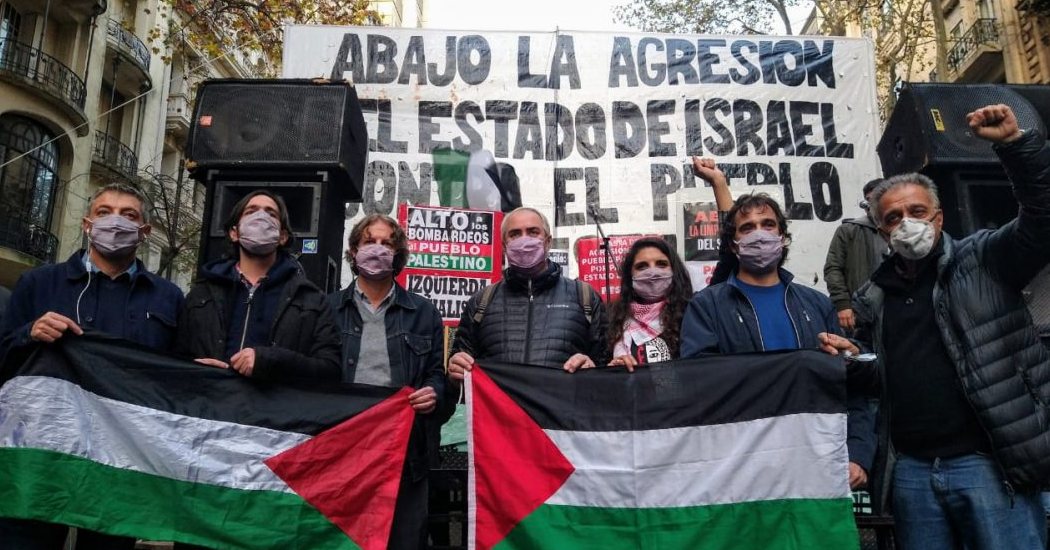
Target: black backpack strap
pixel 483 303
pixel 586 299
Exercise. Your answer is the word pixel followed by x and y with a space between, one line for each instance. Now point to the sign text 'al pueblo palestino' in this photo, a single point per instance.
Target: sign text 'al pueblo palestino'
pixel 600 126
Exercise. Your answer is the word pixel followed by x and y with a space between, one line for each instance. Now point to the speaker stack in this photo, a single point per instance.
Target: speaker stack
pixel 303 140
pixel 927 133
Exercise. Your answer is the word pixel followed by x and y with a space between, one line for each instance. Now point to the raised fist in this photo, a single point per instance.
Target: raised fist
pixel 995 123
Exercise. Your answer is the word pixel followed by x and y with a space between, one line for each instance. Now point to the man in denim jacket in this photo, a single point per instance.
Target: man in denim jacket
pixel 393 337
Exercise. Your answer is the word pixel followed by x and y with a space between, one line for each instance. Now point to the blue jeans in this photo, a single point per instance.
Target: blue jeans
pixel 948 504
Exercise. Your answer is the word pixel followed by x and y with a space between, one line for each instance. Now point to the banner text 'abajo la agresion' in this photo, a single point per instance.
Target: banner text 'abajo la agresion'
pixel 600 126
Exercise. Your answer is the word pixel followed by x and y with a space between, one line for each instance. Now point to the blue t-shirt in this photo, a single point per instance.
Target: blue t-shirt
pixel 773 320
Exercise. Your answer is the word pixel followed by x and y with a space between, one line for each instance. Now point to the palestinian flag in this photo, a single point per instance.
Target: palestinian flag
pixel 101 435
pixel 726 452
pixel 475 180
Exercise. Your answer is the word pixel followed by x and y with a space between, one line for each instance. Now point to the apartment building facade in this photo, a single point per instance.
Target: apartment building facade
pixel 87 99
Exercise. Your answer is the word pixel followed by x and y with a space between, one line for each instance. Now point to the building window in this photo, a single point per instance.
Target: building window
pixel 28 184
pixel 10 22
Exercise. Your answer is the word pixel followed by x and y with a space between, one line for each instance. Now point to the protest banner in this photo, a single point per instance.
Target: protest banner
pixel 453 253
pixel 600 126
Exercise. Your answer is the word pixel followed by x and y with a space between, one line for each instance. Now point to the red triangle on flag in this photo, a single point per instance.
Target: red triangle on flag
pixel 516 466
pixel 351 472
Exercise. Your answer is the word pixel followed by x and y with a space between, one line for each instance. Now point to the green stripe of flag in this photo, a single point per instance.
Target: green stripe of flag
pixel 751 525
pixel 87 494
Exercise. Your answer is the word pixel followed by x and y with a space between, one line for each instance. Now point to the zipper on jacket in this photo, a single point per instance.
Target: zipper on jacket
pixel 247 315
pixel 761 341
pixel 798 339
pixel 528 325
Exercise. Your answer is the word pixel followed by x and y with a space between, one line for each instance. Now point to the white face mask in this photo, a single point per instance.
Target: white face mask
pixel 913 239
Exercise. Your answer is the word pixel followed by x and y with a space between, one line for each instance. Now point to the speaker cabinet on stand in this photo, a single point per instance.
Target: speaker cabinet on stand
pixel 928 134
pixel 303 140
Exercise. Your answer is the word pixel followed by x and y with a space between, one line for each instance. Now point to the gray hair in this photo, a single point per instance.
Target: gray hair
pixel 126 190
pixel 912 178
pixel 506 218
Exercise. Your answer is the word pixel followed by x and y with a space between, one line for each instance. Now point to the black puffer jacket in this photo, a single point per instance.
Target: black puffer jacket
pixel 538 322
pixel 303 335
pixel 1002 366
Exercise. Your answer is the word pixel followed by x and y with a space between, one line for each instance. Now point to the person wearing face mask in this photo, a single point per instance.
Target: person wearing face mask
pixel 102 288
pixel 644 324
pixel 394 338
pixel 855 251
pixel 255 311
pixel 760 308
pixel 962 377
pixel 534 316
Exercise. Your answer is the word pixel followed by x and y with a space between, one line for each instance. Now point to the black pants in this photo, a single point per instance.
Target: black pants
pixel 409 531
pixel 24 534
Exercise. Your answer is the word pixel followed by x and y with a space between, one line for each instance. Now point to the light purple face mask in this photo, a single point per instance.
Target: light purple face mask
pixel 114 236
pixel 374 262
pixel 526 254
pixel 258 233
pixel 652 284
pixel 760 251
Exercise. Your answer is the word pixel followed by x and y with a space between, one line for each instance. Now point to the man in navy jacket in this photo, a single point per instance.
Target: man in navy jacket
pixel 759 308
pixel 103 288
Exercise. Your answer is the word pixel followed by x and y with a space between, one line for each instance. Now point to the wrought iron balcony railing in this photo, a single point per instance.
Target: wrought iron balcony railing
pixel 19 234
pixel 983 32
pixel 42 71
pixel 111 153
pixel 129 43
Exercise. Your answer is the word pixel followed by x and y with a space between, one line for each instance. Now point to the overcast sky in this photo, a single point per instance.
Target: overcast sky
pixel 539 15
pixel 523 15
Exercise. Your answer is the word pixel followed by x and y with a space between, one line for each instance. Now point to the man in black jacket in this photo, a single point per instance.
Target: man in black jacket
pixel 534 315
pixel 964 379
pixel 256 312
pixel 394 338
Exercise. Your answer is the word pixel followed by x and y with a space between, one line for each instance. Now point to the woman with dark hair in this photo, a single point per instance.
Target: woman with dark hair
pixel 646 321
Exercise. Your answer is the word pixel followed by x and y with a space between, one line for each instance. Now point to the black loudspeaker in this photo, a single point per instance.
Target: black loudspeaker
pixel 254 126
pixel 927 133
pixel 316 215
pixel 928 125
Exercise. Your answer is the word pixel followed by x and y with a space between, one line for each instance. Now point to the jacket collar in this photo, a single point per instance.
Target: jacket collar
pixel 400 297
pixel 541 282
pixel 785 277
pixel 864 221
pixel 75 269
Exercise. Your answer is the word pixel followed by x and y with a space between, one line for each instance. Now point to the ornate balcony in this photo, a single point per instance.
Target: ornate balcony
pixel 43 74
pixel 32 240
pixel 178 119
pixel 114 156
pixel 978 54
pixel 131 70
